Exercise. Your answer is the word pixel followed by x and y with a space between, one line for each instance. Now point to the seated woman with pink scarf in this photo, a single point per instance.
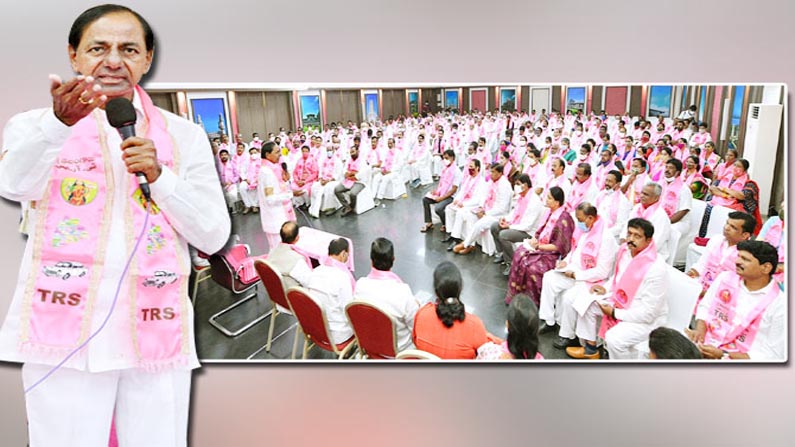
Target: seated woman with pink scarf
pixel 693 178
pixel 730 192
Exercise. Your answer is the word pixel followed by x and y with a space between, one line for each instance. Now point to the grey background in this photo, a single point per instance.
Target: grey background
pixel 439 41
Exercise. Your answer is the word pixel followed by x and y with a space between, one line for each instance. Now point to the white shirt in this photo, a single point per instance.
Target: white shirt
pixel 770 342
pixel 34 140
pixel 331 287
pixel 662 229
pixel 604 261
pixel 396 300
pixel 649 305
pixel 604 203
pixel 502 203
pixel 529 221
pixel 272 213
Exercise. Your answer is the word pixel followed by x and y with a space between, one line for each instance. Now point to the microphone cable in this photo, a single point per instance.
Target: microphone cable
pixel 110 311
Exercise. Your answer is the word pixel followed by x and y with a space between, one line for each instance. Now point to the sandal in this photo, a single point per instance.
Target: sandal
pixel 427 227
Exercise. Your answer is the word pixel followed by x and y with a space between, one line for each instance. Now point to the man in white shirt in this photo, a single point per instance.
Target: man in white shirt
pixel 468 197
pixel 111 48
pixel 385 290
pixel 613 206
pixel 293 266
pixel 720 254
pixel 632 304
pixel 744 313
pixel 496 205
pixel 589 263
pixel 331 284
pixel 520 224
pixel 677 199
pixel 650 208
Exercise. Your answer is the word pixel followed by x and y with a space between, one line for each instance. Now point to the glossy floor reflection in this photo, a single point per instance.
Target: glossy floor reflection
pixel 416 255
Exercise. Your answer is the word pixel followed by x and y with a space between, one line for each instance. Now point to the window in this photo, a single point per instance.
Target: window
pixel 660 101
pixel 702 103
pixel 737 114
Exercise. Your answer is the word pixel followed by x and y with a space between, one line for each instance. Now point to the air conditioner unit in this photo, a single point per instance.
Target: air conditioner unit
pixel 760 147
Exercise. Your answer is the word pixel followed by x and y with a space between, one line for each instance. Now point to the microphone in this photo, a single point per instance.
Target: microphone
pixel 121 115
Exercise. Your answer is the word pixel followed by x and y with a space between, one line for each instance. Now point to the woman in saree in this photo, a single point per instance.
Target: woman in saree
pixel 539 254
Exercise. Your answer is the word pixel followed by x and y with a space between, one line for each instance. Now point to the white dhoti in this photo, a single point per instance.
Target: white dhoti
pixel 421 170
pixel 455 219
pixel 249 196
pixel 683 227
pixel 389 186
pixel 436 165
pixel 74 408
pixel 323 198
pixel 622 340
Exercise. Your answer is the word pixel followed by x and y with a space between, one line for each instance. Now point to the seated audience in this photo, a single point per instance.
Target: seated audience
pixel 522 340
pixel 331 284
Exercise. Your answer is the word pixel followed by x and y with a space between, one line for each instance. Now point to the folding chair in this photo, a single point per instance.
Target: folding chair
pixel 232 270
pixel 375 331
pixel 312 319
pixel 274 285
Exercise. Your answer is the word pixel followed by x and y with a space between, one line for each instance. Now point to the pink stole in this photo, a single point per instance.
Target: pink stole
pixel 382 275
pixel 521 206
pixel 615 203
pixel 305 170
pixel 692 178
pixel 578 191
pixel 633 194
pixel 70 243
pixel 670 196
pixel 718 261
pixel 550 219
pixel 353 166
pixel 253 173
pixel 724 329
pixel 492 194
pixel 624 289
pixel 776 237
pixel 468 187
pixel 446 181
pixel 592 242
pixel 229 172
pixel 645 212
pixel 331 262
pixel 419 151
pixel 736 184
pixel 389 160
pixel 327 168
pixel 602 171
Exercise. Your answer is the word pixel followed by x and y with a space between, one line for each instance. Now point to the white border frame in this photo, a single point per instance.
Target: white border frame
pixel 516 94
pixel 670 101
pixel 319 101
pixel 485 89
pixel 363 94
pixel 444 97
pixel 584 98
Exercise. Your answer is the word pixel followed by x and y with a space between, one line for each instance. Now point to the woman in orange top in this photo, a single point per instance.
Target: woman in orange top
pixel 444 328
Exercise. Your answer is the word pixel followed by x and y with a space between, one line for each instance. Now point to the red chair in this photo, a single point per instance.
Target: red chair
pixel 274 285
pixel 416 354
pixel 232 269
pixel 312 319
pixel 375 331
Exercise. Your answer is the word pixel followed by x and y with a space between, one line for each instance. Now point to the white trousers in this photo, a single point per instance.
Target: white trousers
pixel 249 196
pixel 231 195
pixel 456 222
pixel 323 198
pixel 551 306
pixel 477 228
pixel 621 339
pixel 74 408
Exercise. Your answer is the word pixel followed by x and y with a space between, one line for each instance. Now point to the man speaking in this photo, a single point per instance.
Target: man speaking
pixel 103 283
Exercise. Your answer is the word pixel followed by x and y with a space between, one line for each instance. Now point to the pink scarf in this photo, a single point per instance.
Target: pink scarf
pixel 692 178
pixel 305 170
pixel 229 173
pixel 670 196
pixel 327 168
pixel 353 166
pixel 58 305
pixel 331 262
pixel 446 181
pixel 550 220
pixel 419 151
pixel 492 194
pixel 592 242
pixel 253 173
pixel 578 191
pixel 469 187
pixel 284 187
pixel 645 212
pixel 521 206
pixel 736 184
pixel 624 289
pixel 633 194
pixel 724 329
pixel 382 275
pixel 389 160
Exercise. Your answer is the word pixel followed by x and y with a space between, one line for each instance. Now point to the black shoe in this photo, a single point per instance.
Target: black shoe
pixel 452 245
pixel 547 329
pixel 346 211
pixel 498 259
pixel 563 342
pixel 447 238
pixel 330 212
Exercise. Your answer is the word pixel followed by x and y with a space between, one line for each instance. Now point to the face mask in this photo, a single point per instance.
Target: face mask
pixel 471 171
pixel 517 189
pixel 522 144
pixel 680 145
pixel 305 155
pixel 533 162
pixel 329 154
pixel 254 156
pixel 582 157
pixel 447 161
pixel 582 227
pixel 564 146
pixel 669 179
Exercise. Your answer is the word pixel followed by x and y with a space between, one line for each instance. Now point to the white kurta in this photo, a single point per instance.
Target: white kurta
pixel 396 300
pixel 331 287
pixel 34 140
pixel 273 207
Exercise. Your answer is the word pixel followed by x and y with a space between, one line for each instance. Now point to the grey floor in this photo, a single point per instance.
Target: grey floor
pixel 416 255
